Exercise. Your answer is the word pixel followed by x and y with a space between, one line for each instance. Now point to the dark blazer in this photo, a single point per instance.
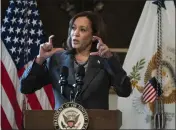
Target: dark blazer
pixel 100 75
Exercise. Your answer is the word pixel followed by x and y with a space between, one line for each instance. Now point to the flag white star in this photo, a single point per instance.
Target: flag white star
pixel 8 10
pixel 13 20
pixel 40 23
pixel 3 29
pixel 22 40
pixel 13 49
pixel 31 2
pixel 39 32
pixel 29 51
pixel 36 13
pixel 16 10
pixel 20 21
pixel 19 50
pixel 22 11
pixel 29 12
pixel 17 60
pixel 25 31
pixel 32 32
pixel 11 2
pixel 18 1
pixel 8 39
pixel 35 3
pixel 10 30
pixel 5 20
pixel 37 42
pixel 15 39
pixel 30 41
pixel 34 22
pixel 18 30
pixel 25 2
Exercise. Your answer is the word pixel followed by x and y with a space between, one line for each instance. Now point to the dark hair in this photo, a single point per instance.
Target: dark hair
pixel 97 24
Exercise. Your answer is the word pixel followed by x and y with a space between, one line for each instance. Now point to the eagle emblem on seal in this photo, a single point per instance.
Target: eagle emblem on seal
pixel 71 119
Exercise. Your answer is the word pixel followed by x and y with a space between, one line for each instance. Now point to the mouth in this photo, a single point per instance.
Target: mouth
pixel 75 41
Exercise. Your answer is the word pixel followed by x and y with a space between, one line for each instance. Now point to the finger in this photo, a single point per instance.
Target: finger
pixel 103 52
pixel 102 48
pixel 42 46
pixel 94 53
pixel 96 38
pixel 100 42
pixel 46 46
pixel 50 40
pixel 99 45
pixel 54 50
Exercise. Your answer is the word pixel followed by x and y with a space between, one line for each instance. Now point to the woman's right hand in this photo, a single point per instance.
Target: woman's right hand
pixel 46 50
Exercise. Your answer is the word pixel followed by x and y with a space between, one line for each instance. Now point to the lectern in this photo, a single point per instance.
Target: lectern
pixel 98 119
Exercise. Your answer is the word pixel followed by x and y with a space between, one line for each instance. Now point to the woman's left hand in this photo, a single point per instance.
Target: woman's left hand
pixel 103 49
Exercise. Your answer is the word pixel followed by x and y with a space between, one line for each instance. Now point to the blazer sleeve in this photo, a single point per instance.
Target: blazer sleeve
pixel 119 79
pixel 34 78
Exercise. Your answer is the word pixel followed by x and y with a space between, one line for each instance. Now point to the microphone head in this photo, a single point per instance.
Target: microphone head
pixel 64 71
pixel 80 71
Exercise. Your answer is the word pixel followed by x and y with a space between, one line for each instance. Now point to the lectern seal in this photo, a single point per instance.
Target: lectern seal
pixel 71 116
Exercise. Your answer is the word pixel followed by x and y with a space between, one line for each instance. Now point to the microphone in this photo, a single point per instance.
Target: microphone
pixel 63 78
pixel 80 73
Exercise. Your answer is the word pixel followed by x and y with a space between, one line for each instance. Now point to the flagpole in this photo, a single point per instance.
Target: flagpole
pixel 159 116
pixel 24 108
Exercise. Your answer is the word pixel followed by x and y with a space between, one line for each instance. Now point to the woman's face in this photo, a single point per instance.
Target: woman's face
pixel 81 33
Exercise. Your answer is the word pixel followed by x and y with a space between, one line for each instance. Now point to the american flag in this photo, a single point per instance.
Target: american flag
pixel 150 91
pixel 21 35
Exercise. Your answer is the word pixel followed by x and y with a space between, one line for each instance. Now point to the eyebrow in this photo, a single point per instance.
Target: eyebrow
pixel 82 26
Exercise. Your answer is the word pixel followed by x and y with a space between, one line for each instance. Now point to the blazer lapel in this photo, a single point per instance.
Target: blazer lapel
pixel 92 70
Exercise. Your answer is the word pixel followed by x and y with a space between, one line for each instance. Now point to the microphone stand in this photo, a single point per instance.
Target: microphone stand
pixel 80 73
pixel 78 87
pixel 75 92
pixel 72 96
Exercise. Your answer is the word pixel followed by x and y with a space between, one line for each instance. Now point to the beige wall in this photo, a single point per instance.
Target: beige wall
pixel 112 101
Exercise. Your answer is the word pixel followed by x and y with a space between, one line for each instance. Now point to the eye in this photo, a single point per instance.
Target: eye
pixel 83 30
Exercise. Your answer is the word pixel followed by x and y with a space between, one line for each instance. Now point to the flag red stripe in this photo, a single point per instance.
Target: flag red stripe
pixel 149 88
pixel 49 93
pixel 151 97
pixel 4 121
pixel 11 93
pixel 146 86
pixel 33 101
pixel 20 72
pixel 149 94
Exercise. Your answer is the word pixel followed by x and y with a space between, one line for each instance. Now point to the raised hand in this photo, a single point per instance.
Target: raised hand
pixel 103 49
pixel 46 50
